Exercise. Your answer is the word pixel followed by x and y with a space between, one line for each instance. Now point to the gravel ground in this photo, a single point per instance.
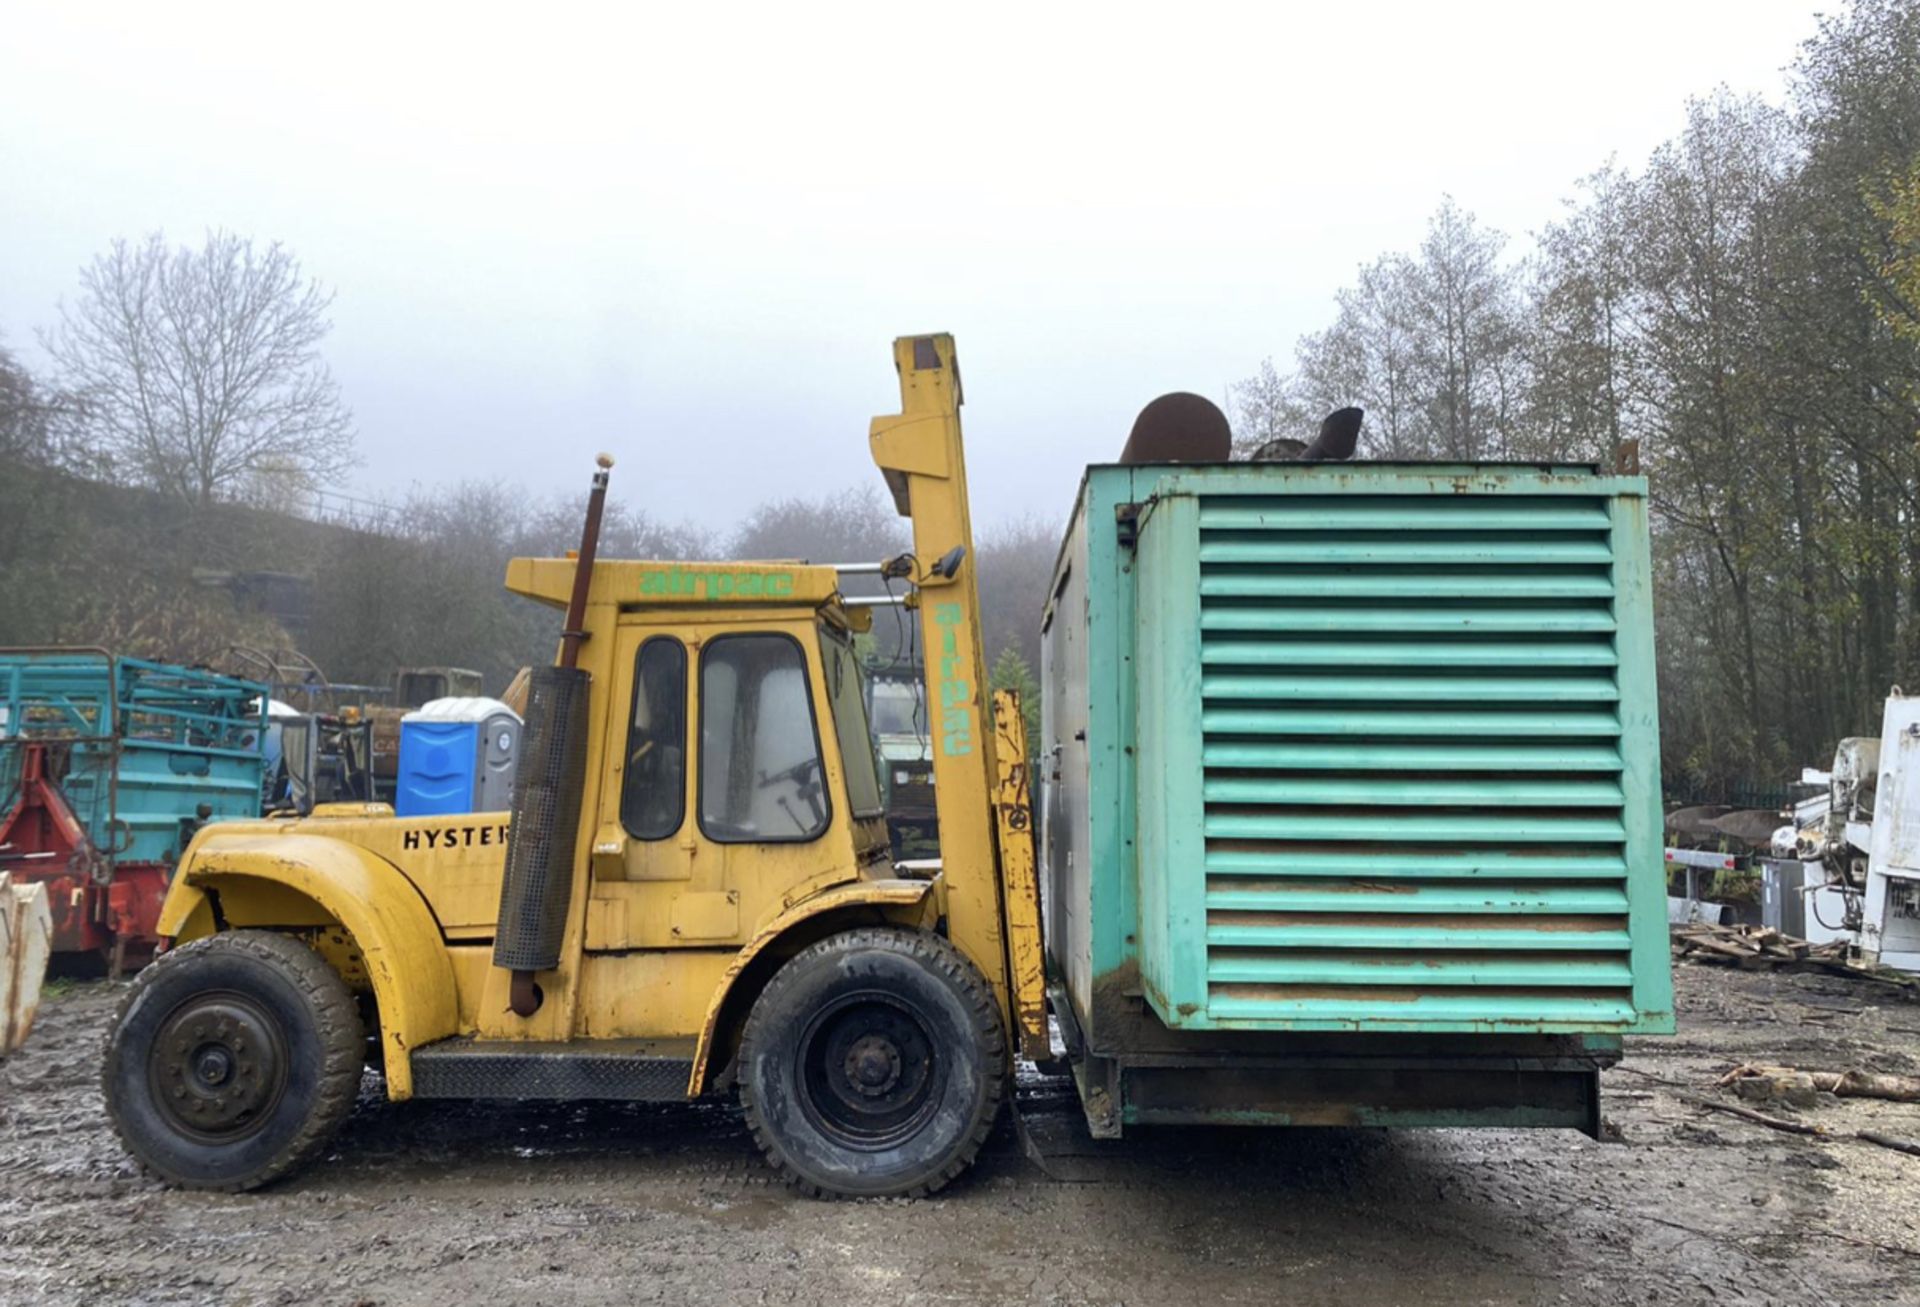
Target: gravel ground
pixel 438 1203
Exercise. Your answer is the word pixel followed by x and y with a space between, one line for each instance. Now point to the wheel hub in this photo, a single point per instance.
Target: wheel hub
pixel 873 1065
pixel 218 1065
pixel 868 1070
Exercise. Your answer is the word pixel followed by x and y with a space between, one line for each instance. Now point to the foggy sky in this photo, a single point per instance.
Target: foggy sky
pixel 687 233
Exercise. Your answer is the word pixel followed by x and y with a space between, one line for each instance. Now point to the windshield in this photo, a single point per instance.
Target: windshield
pixel 897 710
pixel 847 695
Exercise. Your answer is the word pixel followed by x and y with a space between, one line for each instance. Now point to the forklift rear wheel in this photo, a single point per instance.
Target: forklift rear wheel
pixel 233 1060
pixel 873 1065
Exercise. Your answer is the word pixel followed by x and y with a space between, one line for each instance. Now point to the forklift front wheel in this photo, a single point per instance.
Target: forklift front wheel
pixel 873 1065
pixel 233 1060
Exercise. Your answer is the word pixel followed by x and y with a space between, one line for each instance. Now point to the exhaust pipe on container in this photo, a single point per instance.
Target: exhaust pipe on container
pixel 1186 428
pixel 538 883
pixel 1339 437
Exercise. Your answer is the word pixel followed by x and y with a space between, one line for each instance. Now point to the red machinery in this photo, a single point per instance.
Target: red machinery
pixel 98 905
pixel 107 768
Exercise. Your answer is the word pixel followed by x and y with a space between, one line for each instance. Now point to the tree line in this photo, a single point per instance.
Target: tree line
pixel 145 483
pixel 150 574
pixel 1744 305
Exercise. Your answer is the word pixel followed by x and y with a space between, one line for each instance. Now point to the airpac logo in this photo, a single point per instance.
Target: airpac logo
pixel 692 583
pixel 956 692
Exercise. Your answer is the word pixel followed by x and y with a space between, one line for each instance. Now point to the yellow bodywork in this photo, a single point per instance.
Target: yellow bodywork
pixel 285 876
pixel 670 938
pixel 1019 874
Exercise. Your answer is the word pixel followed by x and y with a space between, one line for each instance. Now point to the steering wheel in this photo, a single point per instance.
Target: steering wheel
pixel 798 773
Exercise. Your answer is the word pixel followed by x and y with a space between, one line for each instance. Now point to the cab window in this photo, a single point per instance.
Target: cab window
pixel 760 773
pixel 653 797
pixel 848 699
pixel 898 708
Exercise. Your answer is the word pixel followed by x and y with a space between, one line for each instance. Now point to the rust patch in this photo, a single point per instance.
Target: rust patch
pixel 1305 885
pixel 1117 997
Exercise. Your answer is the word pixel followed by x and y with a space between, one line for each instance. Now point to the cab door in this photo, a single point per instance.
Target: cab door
pixel 646 846
pixel 721 797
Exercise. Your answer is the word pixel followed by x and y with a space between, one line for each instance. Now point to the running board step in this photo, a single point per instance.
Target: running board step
pixel 635 1070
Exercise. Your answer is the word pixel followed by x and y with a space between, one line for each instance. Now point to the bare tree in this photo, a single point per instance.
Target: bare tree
pixel 1460 307
pixel 198 371
pixel 1427 343
pixel 1263 407
pixel 23 412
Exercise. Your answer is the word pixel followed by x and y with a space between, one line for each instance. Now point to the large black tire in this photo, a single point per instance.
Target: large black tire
pixel 873 1065
pixel 232 1061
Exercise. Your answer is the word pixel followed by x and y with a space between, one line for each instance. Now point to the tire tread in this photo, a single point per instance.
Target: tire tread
pixel 337 1023
pixel 937 954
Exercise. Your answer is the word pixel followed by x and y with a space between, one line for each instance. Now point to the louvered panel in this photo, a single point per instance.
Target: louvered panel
pixel 1373 722
pixel 1400 547
pixel 1302 967
pixel 1410 618
pixel 1356 583
pixel 1421 654
pixel 1324 515
pixel 1489 934
pixel 1412 688
pixel 1281 896
pixel 1232 752
pixel 1411 735
pixel 1360 791
pixel 1225 858
pixel 1235 821
pixel 1481 1010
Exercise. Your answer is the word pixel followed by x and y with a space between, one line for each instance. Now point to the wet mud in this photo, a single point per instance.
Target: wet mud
pixel 602 1203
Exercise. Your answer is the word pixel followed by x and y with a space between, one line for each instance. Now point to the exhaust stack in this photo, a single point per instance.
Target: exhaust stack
pixel 1339 437
pixel 538 883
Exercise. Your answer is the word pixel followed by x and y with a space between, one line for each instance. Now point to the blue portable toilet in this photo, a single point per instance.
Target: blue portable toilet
pixel 457 755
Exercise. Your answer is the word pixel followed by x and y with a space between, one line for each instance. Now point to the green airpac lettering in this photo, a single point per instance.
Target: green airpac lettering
pixel 692 583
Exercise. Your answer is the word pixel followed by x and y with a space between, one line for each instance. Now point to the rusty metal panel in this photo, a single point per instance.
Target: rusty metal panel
pixel 1019 878
pixel 26 942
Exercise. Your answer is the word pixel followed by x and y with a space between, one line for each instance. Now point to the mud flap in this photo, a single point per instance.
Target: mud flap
pixel 26 942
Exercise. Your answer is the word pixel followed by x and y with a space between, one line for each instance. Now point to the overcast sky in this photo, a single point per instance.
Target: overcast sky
pixel 687 233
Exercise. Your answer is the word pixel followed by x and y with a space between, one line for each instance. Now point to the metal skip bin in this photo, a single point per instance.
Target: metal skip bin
pixel 1398 757
pixel 457 755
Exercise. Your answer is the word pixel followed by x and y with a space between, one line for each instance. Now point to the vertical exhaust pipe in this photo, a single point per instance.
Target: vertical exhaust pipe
pixel 538 884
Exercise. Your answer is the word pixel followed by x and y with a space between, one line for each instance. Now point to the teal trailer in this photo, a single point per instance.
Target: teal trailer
pixel 108 766
pixel 1350 801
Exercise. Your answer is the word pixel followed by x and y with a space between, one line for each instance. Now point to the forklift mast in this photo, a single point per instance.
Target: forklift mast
pixel 919 452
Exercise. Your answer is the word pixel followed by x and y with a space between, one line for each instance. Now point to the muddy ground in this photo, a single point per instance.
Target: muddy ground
pixel 500 1204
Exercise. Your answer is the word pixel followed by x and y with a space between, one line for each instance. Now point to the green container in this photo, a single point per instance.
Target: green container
pixel 1354 748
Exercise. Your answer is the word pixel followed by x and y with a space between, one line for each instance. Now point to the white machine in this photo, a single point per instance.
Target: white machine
pixel 1890 902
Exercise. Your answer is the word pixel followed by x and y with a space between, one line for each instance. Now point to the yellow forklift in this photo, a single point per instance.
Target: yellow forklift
pixel 694 888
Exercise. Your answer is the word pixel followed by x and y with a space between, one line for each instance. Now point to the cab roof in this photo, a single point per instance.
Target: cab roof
pixel 692 584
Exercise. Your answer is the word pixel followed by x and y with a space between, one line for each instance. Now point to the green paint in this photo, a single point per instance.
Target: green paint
pixel 959 719
pixel 1365 728
pixel 693 583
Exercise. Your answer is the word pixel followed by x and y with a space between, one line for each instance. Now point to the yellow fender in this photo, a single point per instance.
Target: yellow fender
pixel 895 897
pixel 391 924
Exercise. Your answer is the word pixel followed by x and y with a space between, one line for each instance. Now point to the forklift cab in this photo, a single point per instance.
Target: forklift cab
pixel 739 771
